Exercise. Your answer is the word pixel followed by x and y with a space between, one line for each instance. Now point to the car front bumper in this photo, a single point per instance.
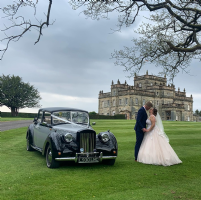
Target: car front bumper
pixel 99 157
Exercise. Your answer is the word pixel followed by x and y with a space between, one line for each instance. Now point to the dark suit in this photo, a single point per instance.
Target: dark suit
pixel 140 124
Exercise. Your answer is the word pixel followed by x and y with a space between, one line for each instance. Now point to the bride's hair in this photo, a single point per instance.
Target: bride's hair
pixel 155 111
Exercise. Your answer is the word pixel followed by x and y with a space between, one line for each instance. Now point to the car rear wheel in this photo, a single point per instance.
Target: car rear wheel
pixel 109 161
pixel 50 161
pixel 29 148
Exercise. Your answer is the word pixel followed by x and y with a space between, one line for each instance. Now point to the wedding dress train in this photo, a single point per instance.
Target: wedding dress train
pixel 155 149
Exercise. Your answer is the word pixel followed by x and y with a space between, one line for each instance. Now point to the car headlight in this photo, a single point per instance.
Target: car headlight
pixel 68 137
pixel 105 137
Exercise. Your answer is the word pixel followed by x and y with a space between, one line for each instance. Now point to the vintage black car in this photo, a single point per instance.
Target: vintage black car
pixel 65 134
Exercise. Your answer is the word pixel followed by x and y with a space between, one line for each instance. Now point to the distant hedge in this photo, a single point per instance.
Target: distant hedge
pixel 97 116
pixel 91 116
pixel 22 115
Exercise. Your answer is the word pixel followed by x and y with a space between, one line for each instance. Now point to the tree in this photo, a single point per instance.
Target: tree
pixel 16 94
pixel 197 112
pixel 92 113
pixel 18 21
pixel 170 38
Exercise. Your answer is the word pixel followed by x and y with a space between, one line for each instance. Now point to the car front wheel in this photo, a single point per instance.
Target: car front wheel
pixel 29 148
pixel 50 161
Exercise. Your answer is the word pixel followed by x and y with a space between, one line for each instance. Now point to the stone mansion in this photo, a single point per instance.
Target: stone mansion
pixel 125 99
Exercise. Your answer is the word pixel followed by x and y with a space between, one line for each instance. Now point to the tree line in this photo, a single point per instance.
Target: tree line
pixel 197 112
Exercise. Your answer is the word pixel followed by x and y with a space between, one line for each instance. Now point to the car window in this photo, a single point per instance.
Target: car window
pixel 80 117
pixel 40 114
pixel 47 117
pixel 62 115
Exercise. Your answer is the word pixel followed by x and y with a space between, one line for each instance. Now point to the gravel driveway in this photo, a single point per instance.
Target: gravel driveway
pixel 14 124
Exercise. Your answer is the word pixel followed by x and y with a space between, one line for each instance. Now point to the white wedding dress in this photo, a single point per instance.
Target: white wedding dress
pixel 155 148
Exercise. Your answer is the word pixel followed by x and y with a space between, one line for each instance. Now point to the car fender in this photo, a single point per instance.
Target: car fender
pixel 54 141
pixel 108 146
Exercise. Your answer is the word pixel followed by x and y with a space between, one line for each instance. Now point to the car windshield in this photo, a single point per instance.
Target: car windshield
pixel 65 117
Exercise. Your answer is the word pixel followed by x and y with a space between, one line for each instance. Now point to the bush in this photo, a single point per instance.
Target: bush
pixel 22 115
pixel 91 115
pixel 97 116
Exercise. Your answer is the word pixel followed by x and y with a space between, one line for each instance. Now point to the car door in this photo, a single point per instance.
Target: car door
pixel 37 128
pixel 42 129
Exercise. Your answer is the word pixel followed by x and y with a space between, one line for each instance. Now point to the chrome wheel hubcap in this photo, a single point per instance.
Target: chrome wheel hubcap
pixel 49 156
pixel 27 143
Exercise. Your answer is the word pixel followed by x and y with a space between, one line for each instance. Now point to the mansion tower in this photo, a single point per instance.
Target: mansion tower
pixel 125 99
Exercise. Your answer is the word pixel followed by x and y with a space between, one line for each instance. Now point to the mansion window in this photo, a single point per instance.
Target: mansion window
pixel 157 93
pixel 119 101
pixel 126 101
pixel 143 101
pixel 113 112
pixel 157 103
pixel 108 103
pixel 136 101
pixel 113 102
pixel 188 107
pixel 114 92
pixel 140 85
pixel 102 104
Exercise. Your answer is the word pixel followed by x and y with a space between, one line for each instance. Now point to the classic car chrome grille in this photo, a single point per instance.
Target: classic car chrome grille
pixel 87 142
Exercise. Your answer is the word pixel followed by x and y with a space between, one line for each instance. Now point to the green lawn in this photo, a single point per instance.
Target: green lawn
pixel 6 119
pixel 24 175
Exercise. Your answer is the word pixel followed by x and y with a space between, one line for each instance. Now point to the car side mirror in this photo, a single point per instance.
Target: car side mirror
pixel 35 120
pixel 44 123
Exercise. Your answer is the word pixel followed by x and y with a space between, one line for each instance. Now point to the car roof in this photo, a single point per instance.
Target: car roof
pixel 55 109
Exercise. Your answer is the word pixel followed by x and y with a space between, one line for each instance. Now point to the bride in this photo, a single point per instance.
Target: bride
pixel 155 148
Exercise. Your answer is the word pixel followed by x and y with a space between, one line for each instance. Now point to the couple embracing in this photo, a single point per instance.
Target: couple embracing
pixel 152 144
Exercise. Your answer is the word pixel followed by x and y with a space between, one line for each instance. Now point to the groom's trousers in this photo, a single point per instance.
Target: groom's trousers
pixel 139 138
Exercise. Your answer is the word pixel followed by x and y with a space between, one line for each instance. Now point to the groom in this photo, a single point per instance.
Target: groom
pixel 140 126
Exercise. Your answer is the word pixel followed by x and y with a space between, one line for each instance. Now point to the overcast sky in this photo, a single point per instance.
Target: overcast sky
pixel 72 62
